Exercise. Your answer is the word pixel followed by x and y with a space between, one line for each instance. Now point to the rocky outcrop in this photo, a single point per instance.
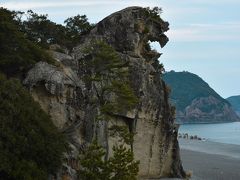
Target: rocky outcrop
pixel 197 111
pixel 63 94
pixel 195 101
pixel 235 102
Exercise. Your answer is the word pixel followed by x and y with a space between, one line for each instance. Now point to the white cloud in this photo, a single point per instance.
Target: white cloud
pixel 172 12
pixel 214 2
pixel 227 31
pixel 33 5
pixel 198 2
pixel 25 5
pixel 59 10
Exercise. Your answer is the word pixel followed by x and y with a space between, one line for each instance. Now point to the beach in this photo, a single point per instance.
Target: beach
pixel 208 160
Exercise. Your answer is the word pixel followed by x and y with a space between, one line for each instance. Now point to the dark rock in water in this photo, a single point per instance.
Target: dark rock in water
pixel 235 102
pixel 196 101
pixel 63 94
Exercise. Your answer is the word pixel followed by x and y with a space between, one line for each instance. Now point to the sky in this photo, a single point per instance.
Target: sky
pixel 204 35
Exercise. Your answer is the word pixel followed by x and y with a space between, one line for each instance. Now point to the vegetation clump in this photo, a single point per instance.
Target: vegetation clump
pixel 121 166
pixel 30 145
pixel 153 13
pixel 108 74
pixel 39 29
pixel 17 54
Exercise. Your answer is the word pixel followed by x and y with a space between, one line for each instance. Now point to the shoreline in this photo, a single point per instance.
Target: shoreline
pixel 208 160
pixel 210 147
pixel 214 122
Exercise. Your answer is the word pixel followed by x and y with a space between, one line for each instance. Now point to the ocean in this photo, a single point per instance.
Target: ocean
pixel 228 133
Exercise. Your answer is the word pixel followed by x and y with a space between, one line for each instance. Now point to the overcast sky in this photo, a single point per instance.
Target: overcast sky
pixel 204 35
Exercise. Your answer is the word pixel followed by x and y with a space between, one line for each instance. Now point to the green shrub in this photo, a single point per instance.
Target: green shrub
pixel 121 166
pixel 30 145
pixel 92 164
pixel 17 54
pixel 108 74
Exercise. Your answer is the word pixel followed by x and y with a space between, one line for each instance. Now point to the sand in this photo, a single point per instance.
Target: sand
pixel 210 161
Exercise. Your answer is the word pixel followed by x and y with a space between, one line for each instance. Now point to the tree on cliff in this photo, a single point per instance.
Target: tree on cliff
pixel 23 42
pixel 76 26
pixel 121 166
pixel 17 54
pixel 30 145
pixel 92 164
pixel 40 29
pixel 107 74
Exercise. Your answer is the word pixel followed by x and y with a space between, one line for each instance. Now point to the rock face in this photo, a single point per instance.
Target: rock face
pixel 195 101
pixel 235 102
pixel 63 94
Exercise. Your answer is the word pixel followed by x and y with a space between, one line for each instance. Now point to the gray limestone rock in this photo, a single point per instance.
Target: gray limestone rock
pixel 68 100
pixel 53 78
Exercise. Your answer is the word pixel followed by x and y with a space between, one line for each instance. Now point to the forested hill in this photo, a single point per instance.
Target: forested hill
pixel 235 102
pixel 186 87
pixel 196 101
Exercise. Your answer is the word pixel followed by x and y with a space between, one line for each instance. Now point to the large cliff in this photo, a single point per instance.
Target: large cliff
pixel 63 93
pixel 196 101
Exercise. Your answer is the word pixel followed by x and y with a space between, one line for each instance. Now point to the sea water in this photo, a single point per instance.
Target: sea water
pixel 228 133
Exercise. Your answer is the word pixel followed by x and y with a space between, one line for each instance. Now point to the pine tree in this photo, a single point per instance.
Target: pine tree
pixel 122 164
pixel 92 164
pixel 107 74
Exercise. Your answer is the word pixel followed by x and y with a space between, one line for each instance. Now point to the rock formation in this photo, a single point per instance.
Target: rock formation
pixel 195 101
pixel 62 93
pixel 235 102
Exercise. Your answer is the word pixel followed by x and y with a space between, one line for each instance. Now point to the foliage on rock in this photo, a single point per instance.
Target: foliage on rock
pixel 17 54
pixel 77 26
pixel 39 29
pixel 92 164
pixel 30 145
pixel 121 166
pixel 104 70
pixel 153 13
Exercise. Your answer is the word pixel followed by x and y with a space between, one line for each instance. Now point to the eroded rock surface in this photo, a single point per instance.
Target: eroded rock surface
pixel 62 93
